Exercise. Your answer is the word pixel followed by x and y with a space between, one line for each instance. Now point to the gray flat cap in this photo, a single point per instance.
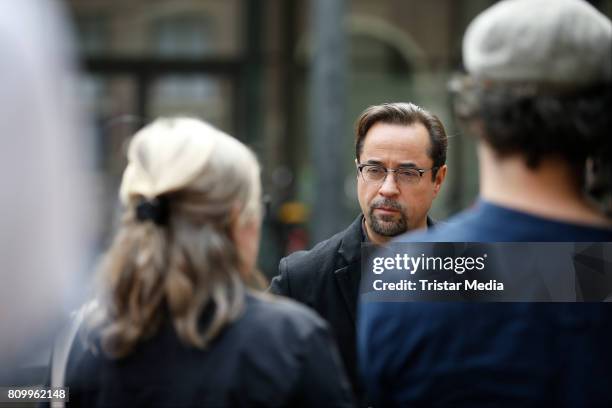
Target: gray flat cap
pixel 564 42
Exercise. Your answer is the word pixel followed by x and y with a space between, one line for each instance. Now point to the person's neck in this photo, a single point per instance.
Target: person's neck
pixel 551 190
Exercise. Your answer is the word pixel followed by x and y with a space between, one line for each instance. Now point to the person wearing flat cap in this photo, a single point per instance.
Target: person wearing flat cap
pixel 538 99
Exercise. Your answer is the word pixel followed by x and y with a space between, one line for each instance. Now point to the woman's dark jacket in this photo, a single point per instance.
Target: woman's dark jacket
pixel 277 354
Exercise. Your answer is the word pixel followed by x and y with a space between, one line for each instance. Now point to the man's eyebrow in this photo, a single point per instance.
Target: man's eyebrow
pixel 377 162
pixel 407 165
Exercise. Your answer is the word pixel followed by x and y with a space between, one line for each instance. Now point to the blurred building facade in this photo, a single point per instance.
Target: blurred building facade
pixel 245 65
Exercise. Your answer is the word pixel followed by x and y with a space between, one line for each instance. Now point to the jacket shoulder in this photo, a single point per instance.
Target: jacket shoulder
pixel 304 272
pixel 272 310
pixel 301 273
pixel 313 260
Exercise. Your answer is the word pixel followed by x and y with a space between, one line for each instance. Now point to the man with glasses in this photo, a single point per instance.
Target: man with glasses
pixel 400 152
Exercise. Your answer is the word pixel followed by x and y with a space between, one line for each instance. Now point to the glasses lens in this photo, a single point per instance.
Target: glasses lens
pixel 408 176
pixel 373 173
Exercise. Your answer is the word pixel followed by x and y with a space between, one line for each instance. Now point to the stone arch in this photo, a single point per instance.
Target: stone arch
pixel 375 28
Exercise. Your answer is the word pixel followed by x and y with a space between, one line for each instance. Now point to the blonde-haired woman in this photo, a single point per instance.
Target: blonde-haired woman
pixel 177 324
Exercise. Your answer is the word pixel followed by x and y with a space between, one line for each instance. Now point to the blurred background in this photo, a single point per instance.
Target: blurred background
pixel 289 78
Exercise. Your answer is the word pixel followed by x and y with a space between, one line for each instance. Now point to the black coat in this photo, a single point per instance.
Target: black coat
pixel 277 354
pixel 327 278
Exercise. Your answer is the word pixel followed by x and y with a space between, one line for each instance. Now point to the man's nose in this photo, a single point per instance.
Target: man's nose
pixel 389 186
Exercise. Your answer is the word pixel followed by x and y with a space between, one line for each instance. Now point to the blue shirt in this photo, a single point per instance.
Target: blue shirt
pixel 489 354
pixel 487 222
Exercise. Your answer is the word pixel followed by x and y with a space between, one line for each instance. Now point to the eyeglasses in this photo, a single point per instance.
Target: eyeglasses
pixel 374 173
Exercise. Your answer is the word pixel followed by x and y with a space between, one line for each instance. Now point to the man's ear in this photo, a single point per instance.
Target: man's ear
pixel 440 176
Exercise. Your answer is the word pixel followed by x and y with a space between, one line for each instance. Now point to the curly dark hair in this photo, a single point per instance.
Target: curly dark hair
pixel 541 122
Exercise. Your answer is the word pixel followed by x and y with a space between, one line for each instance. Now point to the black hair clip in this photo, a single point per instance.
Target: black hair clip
pixel 155 210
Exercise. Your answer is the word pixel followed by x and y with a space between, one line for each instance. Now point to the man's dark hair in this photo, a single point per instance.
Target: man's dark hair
pixel 539 123
pixel 404 114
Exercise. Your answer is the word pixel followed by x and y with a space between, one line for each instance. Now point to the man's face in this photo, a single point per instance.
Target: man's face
pixel 392 207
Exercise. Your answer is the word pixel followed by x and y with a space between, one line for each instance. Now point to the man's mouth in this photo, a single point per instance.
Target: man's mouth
pixel 387 210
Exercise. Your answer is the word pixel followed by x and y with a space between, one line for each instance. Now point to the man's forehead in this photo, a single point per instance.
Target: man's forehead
pixel 404 144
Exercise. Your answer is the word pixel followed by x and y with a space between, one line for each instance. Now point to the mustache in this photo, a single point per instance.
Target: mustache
pixel 387 204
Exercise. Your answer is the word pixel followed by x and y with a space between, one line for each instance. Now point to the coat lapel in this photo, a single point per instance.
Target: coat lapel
pixel 348 273
pixel 348 279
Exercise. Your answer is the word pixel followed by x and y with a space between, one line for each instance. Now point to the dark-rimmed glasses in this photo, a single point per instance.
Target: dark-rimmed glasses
pixel 376 174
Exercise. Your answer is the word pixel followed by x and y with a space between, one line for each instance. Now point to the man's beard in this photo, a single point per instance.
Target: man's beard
pixel 388 225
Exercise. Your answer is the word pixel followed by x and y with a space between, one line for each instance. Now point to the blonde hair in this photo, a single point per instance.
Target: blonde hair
pixel 209 181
